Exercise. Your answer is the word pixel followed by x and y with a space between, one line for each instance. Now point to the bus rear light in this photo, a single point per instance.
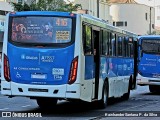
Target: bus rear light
pixel 73 71
pixel 6 69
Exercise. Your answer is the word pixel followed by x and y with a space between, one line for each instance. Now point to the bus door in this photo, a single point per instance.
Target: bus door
pixel 96 55
pixel 91 52
pixel 135 64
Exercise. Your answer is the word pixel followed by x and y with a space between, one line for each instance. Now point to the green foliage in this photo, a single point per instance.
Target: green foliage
pixel 154 33
pixel 17 6
pixel 47 5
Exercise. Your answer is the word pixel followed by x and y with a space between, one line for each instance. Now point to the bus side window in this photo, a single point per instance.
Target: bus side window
pixel 105 44
pixel 123 47
pixel 119 38
pixel 113 44
pixel 87 35
pixel 126 46
pixel 110 44
pixel 130 42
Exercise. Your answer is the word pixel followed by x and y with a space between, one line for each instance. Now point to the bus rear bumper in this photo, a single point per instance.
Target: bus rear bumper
pixel 147 81
pixel 56 91
pixel 5 88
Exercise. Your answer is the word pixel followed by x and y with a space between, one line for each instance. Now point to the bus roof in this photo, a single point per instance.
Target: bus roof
pixel 148 36
pixel 47 13
pixel 107 25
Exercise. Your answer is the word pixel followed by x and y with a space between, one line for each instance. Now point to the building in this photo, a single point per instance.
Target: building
pixel 138 18
pixel 90 7
pixel 156 5
pixel 127 14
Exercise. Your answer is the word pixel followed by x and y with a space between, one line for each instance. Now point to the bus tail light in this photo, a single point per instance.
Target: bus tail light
pixel 6 69
pixel 73 71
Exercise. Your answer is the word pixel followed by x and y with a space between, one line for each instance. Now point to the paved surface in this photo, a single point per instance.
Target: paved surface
pixel 141 101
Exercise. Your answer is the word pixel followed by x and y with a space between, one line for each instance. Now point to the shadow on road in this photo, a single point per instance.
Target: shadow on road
pixel 78 109
pixel 74 109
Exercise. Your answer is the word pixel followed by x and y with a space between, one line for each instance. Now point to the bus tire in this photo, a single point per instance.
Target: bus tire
pixel 46 102
pixel 132 85
pixel 104 101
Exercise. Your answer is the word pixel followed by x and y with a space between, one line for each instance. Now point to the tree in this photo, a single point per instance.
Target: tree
pixel 21 7
pixel 155 32
pixel 47 5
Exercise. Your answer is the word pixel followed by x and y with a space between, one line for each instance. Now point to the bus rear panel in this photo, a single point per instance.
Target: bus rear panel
pixel 149 59
pixel 39 55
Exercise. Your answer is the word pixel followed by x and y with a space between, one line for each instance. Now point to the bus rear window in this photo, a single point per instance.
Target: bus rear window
pixel 41 29
pixel 151 46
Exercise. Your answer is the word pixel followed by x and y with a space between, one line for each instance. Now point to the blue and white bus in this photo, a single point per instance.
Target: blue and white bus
pixel 149 62
pixel 50 56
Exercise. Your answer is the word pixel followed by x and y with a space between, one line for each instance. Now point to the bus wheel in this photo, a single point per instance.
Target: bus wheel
pixel 46 102
pixel 104 101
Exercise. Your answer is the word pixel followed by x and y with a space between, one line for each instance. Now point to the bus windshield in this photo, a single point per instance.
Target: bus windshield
pixel 37 29
pixel 151 46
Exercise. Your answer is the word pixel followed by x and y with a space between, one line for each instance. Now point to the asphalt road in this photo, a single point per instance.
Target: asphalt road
pixel 141 101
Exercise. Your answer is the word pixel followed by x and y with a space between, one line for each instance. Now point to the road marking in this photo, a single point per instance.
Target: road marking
pixel 26 105
pixel 4 109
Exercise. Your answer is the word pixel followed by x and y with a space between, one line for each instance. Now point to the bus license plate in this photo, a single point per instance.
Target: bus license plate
pixel 39 76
